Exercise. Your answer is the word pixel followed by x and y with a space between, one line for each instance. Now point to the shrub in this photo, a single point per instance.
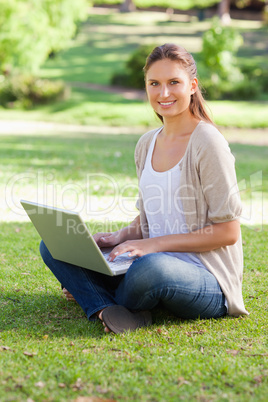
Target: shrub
pixel 220 45
pixel 257 74
pixel 121 79
pixel 222 76
pixel 133 75
pixel 31 30
pixel 27 90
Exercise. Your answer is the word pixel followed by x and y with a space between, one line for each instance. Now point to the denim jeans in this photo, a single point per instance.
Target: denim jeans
pixel 187 291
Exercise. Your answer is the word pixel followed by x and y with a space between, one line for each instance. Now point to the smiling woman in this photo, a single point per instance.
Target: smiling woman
pixel 176 71
pixel 186 238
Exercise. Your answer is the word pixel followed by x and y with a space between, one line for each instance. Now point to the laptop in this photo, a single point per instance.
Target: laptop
pixel 68 239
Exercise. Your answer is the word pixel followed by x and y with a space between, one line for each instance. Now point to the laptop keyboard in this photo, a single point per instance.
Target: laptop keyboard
pixel 121 261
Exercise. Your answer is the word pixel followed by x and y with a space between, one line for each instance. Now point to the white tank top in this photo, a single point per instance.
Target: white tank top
pixel 162 204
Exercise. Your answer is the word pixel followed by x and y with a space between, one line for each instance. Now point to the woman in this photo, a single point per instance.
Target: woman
pixel 187 235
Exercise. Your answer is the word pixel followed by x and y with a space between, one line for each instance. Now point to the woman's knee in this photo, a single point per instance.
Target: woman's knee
pixel 45 254
pixel 155 270
pixel 149 270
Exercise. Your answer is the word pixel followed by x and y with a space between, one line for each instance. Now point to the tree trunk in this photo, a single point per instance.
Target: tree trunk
pixel 127 6
pixel 224 12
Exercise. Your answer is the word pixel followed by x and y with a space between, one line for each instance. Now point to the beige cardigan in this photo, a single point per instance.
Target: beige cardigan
pixel 209 194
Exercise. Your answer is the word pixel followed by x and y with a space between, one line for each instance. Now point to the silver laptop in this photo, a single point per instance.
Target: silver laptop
pixel 68 239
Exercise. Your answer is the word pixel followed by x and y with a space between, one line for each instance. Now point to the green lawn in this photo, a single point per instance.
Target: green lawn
pixel 50 352
pixel 71 168
pixel 95 108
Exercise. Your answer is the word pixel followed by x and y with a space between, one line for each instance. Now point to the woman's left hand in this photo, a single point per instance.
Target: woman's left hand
pixel 136 248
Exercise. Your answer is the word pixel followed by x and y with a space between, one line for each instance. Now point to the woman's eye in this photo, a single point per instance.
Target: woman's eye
pixel 174 82
pixel 153 84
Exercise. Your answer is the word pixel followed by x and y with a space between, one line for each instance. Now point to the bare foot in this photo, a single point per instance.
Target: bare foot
pixel 99 315
pixel 68 295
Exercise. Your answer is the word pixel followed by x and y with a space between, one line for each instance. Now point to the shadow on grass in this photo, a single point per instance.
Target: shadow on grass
pixel 49 313
pixel 70 157
pixel 104 43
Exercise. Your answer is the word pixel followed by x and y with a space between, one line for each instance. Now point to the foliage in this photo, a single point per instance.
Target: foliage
pixel 26 91
pixel 31 30
pixel 133 75
pixel 175 4
pixel 216 89
pixel 222 77
pixel 220 44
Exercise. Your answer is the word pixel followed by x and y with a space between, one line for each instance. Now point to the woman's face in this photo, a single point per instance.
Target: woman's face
pixel 169 88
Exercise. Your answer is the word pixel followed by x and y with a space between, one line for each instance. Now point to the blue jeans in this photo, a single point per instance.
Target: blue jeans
pixel 187 291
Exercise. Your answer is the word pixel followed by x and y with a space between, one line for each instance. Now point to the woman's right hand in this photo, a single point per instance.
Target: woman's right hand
pixel 109 239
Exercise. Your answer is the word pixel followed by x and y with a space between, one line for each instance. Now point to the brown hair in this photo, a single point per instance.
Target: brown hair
pixel 178 53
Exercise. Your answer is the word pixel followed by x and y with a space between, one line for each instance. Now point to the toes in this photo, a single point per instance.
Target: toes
pixel 68 295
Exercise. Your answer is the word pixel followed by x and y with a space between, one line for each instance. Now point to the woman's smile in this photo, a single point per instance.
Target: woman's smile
pixel 167 104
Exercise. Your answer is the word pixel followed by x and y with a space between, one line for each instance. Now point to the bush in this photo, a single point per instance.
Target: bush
pixel 242 90
pixel 220 45
pixel 121 79
pixel 222 76
pixel 31 30
pixel 133 75
pixel 257 74
pixel 252 86
pixel 26 91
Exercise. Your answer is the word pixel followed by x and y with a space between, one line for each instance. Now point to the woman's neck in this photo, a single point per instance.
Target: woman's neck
pixel 179 127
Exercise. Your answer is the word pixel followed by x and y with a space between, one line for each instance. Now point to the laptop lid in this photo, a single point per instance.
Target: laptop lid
pixel 68 239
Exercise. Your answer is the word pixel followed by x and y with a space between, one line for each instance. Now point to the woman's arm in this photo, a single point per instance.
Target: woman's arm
pixel 206 239
pixel 130 232
pixel 209 238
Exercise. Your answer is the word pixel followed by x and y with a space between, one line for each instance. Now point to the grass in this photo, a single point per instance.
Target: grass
pixel 48 349
pixel 103 45
pixel 94 108
pixel 78 168
pixel 50 352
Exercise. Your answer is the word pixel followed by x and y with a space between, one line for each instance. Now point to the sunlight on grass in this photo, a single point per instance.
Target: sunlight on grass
pixel 240 114
pixel 96 108
pixel 77 172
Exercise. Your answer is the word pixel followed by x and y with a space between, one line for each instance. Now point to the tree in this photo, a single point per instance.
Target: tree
pixel 224 8
pixel 127 6
pixel 224 11
pixel 30 30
